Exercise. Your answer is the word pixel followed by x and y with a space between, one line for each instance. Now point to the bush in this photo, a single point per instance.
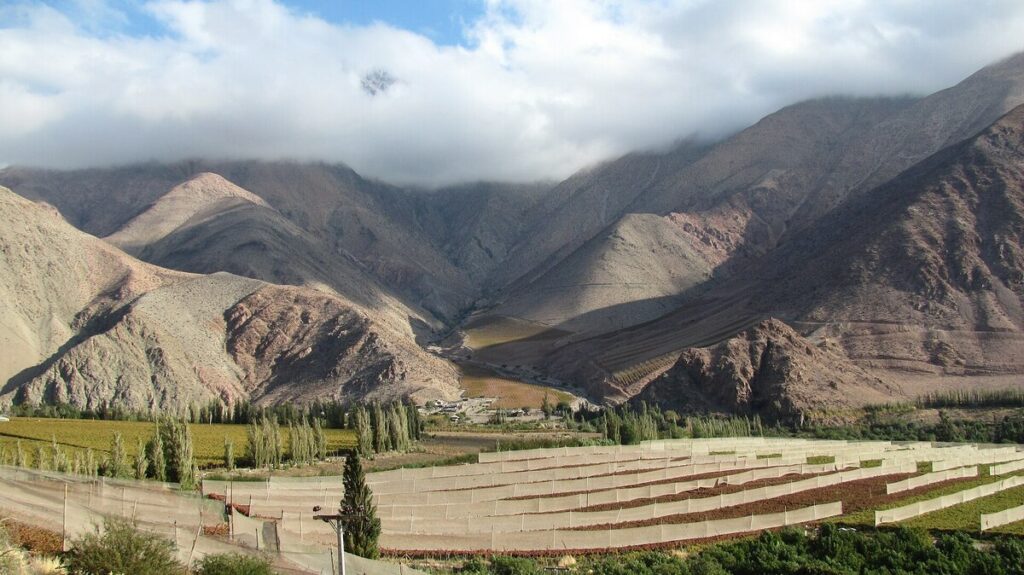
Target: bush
pixel 120 548
pixel 514 566
pixel 233 564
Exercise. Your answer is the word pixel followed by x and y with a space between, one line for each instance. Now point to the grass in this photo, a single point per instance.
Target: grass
pixel 511 394
pixel 821 459
pixel 867 516
pixel 82 434
pixel 966 515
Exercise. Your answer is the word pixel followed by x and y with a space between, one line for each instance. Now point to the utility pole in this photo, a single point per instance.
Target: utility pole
pixel 335 521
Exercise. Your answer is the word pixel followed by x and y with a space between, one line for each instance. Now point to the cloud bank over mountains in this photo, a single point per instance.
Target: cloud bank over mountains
pixel 536 90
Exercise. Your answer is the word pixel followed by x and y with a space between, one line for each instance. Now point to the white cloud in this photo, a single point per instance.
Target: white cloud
pixel 539 90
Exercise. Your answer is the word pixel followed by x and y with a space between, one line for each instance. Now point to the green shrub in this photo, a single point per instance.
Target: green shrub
pixel 514 566
pixel 233 564
pixel 120 548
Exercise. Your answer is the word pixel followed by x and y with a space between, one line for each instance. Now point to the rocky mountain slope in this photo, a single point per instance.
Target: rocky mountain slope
pixel 772 371
pixel 87 324
pixel 741 198
pixel 916 281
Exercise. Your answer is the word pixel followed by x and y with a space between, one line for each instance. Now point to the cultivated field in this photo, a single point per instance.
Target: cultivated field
pixel 82 434
pixel 659 494
pixel 510 394
pixel 496 330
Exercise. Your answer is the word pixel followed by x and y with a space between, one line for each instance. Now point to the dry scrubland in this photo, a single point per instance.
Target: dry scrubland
pixel 82 434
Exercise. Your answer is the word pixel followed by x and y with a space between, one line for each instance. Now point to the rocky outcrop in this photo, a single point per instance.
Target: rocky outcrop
pixel 772 371
pixel 294 344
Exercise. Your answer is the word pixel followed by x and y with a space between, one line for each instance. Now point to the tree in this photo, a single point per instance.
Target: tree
pixel 379 425
pixel 19 455
pixel 177 443
pixel 229 454
pixel 91 465
pixel 256 445
pixel 364 432
pixel 59 457
pixel 361 525
pixel 398 428
pixel 40 460
pixel 413 417
pixel 264 438
pixel 546 407
pixel 157 462
pixel 117 463
pixel 319 440
pixel 141 462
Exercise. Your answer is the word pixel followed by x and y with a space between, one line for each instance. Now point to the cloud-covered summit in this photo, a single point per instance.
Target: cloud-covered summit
pixel 536 90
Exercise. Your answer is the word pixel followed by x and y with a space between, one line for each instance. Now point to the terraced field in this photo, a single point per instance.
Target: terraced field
pixel 658 494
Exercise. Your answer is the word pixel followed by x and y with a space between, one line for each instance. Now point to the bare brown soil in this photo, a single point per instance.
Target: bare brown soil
pixel 855 495
pixel 35 539
pixel 699 493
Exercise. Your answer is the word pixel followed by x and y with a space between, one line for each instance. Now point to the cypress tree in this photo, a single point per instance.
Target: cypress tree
pixel 361 525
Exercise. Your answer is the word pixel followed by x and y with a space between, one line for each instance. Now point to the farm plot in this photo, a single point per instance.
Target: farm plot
pixel 509 393
pixel 84 434
pixel 655 494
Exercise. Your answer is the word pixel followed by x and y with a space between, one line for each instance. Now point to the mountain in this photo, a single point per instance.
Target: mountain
pixel 732 202
pixel 207 224
pixel 205 193
pixel 353 221
pixel 631 277
pixel 87 324
pixel 917 281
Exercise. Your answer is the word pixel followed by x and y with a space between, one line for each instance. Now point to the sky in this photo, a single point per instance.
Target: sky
pixel 437 92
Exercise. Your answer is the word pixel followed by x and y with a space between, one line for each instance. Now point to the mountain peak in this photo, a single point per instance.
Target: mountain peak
pixel 202 194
